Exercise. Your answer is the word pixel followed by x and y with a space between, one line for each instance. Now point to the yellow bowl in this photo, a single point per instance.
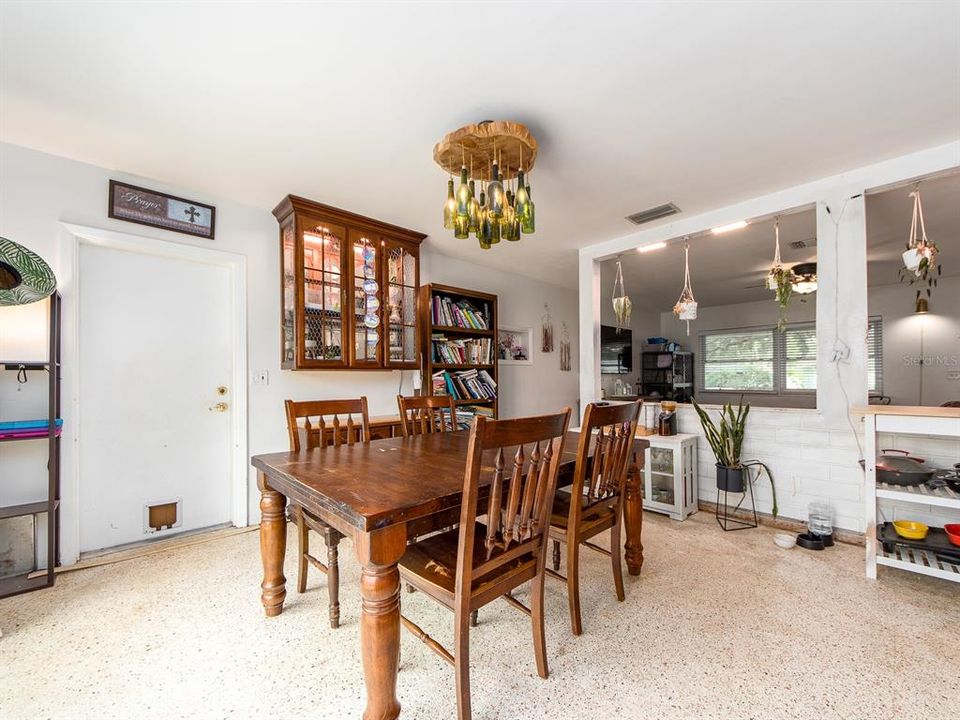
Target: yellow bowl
pixel 911 530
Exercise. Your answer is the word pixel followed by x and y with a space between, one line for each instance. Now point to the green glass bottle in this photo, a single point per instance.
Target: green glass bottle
pixel 495 196
pixel 520 199
pixel 494 231
pixel 463 195
pixel 461 227
pixel 481 215
pixel 527 222
pixel 449 207
pixel 474 214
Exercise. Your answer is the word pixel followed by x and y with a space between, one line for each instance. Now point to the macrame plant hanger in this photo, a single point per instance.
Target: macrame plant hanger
pixel 621 302
pixel 564 348
pixel 686 307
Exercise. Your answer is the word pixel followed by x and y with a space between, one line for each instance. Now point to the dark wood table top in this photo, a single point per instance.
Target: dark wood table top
pixel 384 482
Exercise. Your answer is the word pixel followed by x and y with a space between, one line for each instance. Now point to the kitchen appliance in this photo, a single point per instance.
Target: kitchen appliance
pixel 667 421
pixel 898 467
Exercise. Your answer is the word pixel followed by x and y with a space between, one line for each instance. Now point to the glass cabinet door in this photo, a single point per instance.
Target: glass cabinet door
pixel 288 300
pixel 400 278
pixel 366 299
pixel 323 329
pixel 661 475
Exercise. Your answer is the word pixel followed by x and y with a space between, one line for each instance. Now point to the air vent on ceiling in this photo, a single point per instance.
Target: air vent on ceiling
pixel 798 244
pixel 655 213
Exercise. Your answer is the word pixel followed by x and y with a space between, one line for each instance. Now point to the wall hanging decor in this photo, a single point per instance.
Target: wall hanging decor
pixel 158 209
pixel 546 330
pixel 24 276
pixel 496 157
pixel 780 279
pixel 920 266
pixel 621 301
pixel 686 307
pixel 564 348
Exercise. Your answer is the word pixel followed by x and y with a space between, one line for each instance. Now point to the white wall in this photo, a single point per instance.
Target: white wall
pixel 902 330
pixel 818 443
pixel 38 191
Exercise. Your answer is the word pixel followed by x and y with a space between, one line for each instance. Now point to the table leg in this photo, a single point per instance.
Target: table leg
pixel 633 516
pixel 273 546
pixel 378 553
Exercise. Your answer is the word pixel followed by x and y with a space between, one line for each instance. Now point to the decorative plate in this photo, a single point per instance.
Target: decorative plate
pixel 370 287
pixel 371 321
pixel 24 276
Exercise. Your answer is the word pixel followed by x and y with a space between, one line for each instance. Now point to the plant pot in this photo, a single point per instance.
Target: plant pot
pixel 688 311
pixel 730 479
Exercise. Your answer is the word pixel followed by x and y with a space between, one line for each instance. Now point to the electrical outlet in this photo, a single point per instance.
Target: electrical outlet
pixel 261 377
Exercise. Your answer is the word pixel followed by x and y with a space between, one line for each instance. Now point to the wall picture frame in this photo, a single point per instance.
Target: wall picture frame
pixel 159 209
pixel 515 346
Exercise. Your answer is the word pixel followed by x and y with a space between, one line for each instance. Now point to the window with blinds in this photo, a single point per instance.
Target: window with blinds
pixel 875 355
pixel 738 360
pixel 798 357
pixel 759 360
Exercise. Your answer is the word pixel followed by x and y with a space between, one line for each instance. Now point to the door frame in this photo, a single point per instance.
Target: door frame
pixel 74 236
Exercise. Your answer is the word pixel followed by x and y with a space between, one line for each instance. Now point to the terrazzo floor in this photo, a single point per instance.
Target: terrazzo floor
pixel 718 625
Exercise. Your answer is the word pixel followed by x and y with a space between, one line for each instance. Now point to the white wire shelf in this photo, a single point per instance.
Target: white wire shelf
pixel 918 561
pixel 942 497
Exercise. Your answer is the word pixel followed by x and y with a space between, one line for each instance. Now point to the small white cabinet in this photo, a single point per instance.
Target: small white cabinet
pixel 670 475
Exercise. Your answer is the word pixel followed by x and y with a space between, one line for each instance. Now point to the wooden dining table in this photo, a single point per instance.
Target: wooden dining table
pixel 382 494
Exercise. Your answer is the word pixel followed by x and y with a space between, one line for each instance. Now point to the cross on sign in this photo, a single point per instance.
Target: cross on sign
pixel 192 212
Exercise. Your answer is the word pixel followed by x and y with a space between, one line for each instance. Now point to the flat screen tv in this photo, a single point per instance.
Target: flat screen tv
pixel 616 351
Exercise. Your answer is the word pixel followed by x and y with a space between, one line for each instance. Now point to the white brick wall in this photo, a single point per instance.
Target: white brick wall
pixel 813 459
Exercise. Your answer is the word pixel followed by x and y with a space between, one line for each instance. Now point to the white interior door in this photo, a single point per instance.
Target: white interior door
pixel 154 347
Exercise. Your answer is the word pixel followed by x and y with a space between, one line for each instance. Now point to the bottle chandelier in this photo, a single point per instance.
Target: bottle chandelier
pixel 494 157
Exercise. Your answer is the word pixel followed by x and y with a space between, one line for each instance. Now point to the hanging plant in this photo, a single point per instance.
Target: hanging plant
pixel 920 266
pixel 621 303
pixel 780 279
pixel 686 307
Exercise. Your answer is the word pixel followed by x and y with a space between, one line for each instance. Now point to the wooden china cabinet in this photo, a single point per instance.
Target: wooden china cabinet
pixel 348 290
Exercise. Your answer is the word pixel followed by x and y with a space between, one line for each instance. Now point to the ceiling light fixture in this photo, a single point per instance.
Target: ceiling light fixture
pixel 503 153
pixel 727 228
pixel 805 278
pixel 652 246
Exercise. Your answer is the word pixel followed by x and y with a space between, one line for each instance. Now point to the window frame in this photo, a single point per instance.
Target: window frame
pixel 779 359
pixel 877 345
pixel 701 363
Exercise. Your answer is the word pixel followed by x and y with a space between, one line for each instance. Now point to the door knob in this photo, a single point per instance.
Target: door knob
pixel 219 407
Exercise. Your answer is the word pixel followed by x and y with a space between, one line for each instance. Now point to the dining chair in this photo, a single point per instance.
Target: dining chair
pixel 468 567
pixel 424 414
pixel 593 504
pixel 329 431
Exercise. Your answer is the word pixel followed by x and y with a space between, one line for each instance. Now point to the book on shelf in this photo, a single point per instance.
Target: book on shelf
pixel 460 313
pixel 467 413
pixel 465 384
pixel 474 351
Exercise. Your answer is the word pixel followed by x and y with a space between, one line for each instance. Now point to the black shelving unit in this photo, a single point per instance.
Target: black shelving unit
pixel 670 378
pixel 15 584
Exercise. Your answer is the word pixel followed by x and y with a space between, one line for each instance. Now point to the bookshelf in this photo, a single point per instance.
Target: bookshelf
pixel 458 343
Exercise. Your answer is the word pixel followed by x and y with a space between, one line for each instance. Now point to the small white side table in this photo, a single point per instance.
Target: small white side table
pixel 670 475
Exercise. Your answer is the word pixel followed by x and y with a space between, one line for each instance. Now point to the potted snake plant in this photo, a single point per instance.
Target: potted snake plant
pixel 726 441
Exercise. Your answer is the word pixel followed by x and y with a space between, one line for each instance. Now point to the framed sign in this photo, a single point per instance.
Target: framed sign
pixel 151 207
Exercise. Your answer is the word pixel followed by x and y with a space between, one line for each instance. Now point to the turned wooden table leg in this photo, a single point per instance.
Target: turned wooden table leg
pixel 378 553
pixel 273 546
pixel 633 516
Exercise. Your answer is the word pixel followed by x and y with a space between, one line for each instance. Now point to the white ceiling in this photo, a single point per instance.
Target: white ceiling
pixel 731 268
pixel 634 104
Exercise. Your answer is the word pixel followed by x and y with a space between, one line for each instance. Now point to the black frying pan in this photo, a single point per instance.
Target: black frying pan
pixel 897 467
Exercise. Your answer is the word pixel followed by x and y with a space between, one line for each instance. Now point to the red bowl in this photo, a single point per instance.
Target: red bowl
pixel 953 533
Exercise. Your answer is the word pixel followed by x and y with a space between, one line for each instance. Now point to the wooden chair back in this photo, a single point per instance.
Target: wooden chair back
pixel 521 495
pixel 425 414
pixel 600 476
pixel 330 429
